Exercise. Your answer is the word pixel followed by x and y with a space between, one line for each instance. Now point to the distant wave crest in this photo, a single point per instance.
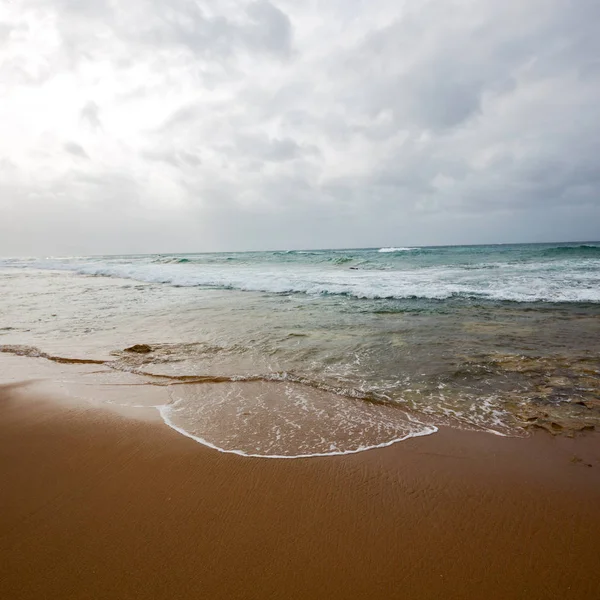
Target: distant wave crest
pixel 392 249
pixel 171 260
pixel 581 249
pixel 341 260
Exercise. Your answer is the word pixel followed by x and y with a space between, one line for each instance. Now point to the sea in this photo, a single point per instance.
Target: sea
pixel 288 354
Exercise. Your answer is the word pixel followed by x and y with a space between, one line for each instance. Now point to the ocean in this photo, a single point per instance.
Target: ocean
pixel 319 352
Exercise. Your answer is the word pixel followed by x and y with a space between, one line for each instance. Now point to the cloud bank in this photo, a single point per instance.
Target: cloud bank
pixel 188 125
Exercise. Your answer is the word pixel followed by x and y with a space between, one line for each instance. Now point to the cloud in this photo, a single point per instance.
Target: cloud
pixel 75 150
pixel 272 30
pixel 90 115
pixel 175 159
pixel 263 124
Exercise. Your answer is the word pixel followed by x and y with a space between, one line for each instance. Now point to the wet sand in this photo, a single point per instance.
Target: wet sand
pixel 100 505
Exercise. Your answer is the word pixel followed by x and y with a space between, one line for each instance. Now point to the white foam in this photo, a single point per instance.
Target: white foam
pixel 283 420
pixel 392 249
pixel 558 281
pixel 164 413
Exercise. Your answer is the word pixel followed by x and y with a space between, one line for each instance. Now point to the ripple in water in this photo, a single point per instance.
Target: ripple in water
pixel 285 420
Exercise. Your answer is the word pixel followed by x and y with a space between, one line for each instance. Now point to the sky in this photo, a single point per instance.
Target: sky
pixel 214 125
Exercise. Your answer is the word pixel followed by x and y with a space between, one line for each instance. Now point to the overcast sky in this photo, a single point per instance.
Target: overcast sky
pixel 199 125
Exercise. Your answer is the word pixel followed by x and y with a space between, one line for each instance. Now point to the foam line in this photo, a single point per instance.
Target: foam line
pixel 163 411
pixel 568 281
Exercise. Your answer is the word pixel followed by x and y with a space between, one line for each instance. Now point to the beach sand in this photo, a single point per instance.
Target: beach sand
pixel 102 505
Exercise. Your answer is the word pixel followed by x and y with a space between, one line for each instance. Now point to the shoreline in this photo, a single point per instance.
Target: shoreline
pixel 169 423
pixel 105 505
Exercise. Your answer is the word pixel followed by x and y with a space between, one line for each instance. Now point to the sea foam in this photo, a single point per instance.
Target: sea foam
pixel 391 249
pixel 564 280
pixel 285 420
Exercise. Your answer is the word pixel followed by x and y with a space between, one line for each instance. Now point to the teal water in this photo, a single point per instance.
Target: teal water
pixel 519 273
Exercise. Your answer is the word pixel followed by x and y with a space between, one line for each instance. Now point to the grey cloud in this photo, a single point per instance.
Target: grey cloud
pixel 75 150
pixel 188 24
pixel 7 165
pixel 189 158
pixel 5 31
pixel 282 149
pixel 175 159
pixel 217 32
pixel 270 149
pixel 181 116
pixel 433 67
pixel 90 114
pixel 273 29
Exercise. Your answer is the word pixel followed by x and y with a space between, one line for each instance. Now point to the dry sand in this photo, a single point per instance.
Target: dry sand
pixel 98 505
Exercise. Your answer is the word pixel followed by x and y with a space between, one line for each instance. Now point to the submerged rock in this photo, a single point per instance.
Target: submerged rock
pixel 139 349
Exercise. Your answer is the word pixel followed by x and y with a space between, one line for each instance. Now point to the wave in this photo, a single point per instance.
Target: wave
pixel 300 252
pixel 132 364
pixel 580 249
pixel 414 429
pixel 341 260
pixel 391 249
pixel 550 281
pixel 33 352
pixel 275 416
pixel 171 260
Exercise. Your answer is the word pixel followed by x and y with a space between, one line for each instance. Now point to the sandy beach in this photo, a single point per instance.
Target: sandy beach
pixel 101 505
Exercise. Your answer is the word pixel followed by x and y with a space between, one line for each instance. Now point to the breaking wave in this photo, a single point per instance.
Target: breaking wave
pixel 391 249
pixel 575 250
pixel 272 416
pixel 519 283
pixel 558 273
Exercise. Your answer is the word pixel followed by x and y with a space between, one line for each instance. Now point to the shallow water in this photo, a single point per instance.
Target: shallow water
pixel 287 354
